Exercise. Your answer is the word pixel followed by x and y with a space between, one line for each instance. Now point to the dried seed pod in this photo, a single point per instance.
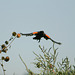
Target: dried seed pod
pixel 4 51
pixel 14 34
pixel 6 42
pixel 18 35
pixel 0 51
pixel 2 65
pixel 3 46
pixel 2 58
pixel 7 59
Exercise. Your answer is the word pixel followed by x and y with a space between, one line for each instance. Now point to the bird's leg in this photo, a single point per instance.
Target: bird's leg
pixel 38 40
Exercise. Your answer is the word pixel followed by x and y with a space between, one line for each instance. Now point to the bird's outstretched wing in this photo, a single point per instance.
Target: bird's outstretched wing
pixel 29 34
pixel 47 37
pixel 55 41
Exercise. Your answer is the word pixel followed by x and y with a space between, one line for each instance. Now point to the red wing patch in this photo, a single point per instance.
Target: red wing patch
pixel 47 35
pixel 35 32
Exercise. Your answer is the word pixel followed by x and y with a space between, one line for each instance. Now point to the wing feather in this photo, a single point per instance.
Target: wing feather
pixel 55 41
pixel 29 34
pixel 47 37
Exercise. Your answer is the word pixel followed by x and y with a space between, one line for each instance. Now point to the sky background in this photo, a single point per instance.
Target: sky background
pixel 55 17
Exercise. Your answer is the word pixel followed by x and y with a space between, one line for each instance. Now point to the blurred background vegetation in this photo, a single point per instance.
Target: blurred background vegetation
pixel 47 63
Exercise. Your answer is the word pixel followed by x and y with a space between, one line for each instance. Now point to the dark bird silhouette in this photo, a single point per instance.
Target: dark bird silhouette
pixel 39 35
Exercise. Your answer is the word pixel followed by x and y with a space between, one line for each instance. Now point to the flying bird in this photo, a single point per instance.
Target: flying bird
pixel 39 35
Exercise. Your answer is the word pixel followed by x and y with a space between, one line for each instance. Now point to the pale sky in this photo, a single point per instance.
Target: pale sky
pixel 55 17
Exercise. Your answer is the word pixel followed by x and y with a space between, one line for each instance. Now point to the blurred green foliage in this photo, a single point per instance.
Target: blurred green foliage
pixel 46 61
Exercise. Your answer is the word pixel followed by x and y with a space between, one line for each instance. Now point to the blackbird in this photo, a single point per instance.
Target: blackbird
pixel 39 35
